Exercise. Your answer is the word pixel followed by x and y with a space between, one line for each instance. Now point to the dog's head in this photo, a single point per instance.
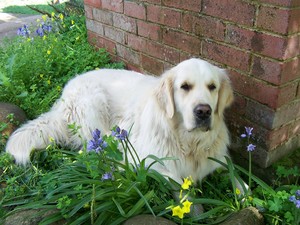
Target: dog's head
pixel 197 91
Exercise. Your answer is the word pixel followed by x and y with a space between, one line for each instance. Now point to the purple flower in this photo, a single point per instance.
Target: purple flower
pixel 248 132
pixel 120 134
pixel 40 32
pixel 298 193
pixel 107 176
pixel 251 147
pixel 295 200
pixel 297 203
pixel 23 31
pixel 292 198
pixel 47 28
pixel 97 144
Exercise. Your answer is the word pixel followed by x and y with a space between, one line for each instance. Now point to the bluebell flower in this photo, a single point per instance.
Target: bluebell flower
pixel 107 176
pixel 295 199
pixel 47 28
pixel 248 132
pixel 23 31
pixel 292 198
pixel 40 32
pixel 97 144
pixel 120 134
pixel 251 147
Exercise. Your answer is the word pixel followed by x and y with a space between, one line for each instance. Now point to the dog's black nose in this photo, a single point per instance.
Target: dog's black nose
pixel 202 111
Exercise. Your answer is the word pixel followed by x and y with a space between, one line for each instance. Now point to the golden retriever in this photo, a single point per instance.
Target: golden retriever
pixel 179 114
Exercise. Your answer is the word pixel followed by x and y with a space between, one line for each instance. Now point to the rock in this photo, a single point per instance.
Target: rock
pixel 247 216
pixel 30 217
pixel 148 220
pixel 19 117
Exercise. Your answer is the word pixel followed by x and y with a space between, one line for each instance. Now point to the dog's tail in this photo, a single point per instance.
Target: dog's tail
pixel 37 134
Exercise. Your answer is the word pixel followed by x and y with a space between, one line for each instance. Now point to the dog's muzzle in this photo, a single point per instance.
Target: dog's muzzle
pixel 202 114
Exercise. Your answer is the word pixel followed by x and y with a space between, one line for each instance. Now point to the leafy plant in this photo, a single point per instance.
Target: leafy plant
pixel 36 65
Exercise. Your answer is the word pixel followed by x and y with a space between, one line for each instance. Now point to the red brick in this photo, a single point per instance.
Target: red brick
pixel 109 45
pixel 114 34
pixel 128 54
pixel 260 114
pixel 203 26
pixel 136 43
pixel 276 72
pixel 237 11
pixel 255 89
pixel 88 12
pixel 94 26
pixel 192 5
pixel 163 15
pixel 124 22
pixel 295 128
pixel 162 52
pixel 292 47
pixel 273 19
pixel 113 5
pixel 134 9
pixel 287 94
pixel 264 44
pixel 294 25
pixel 151 65
pixel 226 55
pixel 280 2
pixel 152 1
pixel 287 114
pixel 93 3
pixel 239 105
pixel 103 16
pixel 267 70
pixel 182 41
pixel 149 30
pixel 277 137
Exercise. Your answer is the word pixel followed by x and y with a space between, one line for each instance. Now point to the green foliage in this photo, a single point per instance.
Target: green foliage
pixel 34 69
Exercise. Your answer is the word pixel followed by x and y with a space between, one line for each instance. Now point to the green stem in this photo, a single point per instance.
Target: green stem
pixel 250 172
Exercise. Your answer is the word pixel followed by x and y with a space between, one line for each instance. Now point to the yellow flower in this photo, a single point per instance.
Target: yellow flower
pixel 187 182
pixel 61 16
pixel 72 22
pixel 41 75
pixel 186 206
pixel 237 191
pixel 44 37
pixel 48 82
pixel 49 52
pixel 44 17
pixel 250 198
pixel 52 14
pixel 177 211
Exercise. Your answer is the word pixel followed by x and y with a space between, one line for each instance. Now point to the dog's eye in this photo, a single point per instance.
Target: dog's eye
pixel 211 87
pixel 186 86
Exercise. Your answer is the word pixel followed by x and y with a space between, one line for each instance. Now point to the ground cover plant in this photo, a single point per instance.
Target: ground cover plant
pixel 92 186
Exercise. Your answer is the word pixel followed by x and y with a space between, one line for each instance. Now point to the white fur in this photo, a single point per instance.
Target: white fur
pixel 159 111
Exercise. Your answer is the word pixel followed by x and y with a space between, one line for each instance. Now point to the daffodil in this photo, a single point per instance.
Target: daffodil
pixel 187 182
pixel 186 206
pixel 44 17
pixel 177 211
pixel 61 16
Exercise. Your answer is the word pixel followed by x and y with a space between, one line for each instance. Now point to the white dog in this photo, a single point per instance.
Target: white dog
pixel 179 114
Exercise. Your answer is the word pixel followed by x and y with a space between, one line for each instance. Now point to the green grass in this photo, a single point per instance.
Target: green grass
pixel 26 10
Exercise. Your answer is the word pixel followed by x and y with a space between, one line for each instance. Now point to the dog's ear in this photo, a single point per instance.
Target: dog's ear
pixel 225 93
pixel 164 94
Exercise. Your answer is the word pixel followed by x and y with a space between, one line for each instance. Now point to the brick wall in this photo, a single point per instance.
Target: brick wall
pixel 257 41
